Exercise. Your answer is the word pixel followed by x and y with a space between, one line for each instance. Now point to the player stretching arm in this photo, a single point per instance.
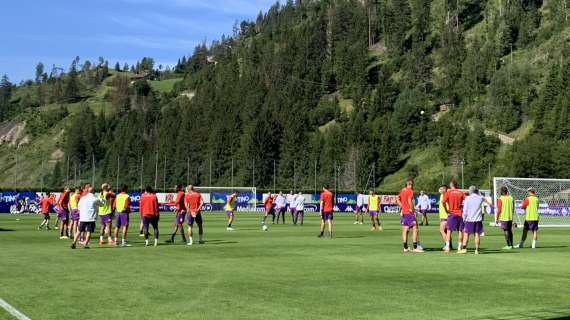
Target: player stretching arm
pixel 230 208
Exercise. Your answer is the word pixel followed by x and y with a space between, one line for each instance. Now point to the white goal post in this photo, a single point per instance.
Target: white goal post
pixel 215 198
pixel 553 196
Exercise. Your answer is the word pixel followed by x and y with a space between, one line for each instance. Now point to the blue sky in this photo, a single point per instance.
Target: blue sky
pixel 56 31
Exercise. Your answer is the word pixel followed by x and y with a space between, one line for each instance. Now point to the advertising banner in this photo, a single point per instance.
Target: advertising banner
pixel 28 202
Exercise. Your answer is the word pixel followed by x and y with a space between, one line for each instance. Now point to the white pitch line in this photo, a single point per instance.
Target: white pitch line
pixel 11 310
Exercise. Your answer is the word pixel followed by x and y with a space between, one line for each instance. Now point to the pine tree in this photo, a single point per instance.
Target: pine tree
pixel 5 96
pixel 71 90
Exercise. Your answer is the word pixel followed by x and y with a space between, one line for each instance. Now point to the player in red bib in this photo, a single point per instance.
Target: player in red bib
pixel 327 207
pixel 268 205
pixel 151 213
pixel 45 203
pixel 62 210
pixel 194 204
pixel 408 218
pixel 180 205
pixel 454 198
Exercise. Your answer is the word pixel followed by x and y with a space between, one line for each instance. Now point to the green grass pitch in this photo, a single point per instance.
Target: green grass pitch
pixel 285 273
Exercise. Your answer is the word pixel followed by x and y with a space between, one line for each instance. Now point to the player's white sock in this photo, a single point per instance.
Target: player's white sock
pixel 146 242
pixel 447 244
pixel 155 242
pixel 123 241
pixel 534 244
pixel 459 245
pixel 100 238
pixel 190 241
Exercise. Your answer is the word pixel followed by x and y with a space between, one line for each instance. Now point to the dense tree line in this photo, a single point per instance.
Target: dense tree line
pixel 273 96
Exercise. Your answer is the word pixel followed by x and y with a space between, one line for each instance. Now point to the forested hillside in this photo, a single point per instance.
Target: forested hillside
pixel 358 94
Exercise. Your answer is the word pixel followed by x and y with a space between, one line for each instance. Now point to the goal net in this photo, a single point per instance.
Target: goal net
pixel 553 195
pixel 215 198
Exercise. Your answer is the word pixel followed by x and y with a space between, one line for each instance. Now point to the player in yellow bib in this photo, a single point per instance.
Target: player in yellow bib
pixel 442 214
pixel 530 205
pixel 230 207
pixel 123 208
pixel 374 211
pixel 105 213
pixel 73 207
pixel 504 216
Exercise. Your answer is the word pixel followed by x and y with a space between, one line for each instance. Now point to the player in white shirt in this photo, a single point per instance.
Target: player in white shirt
pixel 473 218
pixel 365 198
pixel 424 206
pixel 88 206
pixel 280 206
pixel 359 210
pixel 290 200
pixel 299 204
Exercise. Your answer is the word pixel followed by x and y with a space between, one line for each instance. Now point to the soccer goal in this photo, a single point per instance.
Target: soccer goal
pixel 553 195
pixel 215 198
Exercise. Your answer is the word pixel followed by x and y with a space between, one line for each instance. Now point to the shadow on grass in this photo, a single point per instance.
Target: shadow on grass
pixel 2 230
pixel 496 251
pixel 540 314
pixel 351 237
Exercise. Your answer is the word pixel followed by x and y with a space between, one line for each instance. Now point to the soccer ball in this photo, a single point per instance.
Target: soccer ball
pixel 264 228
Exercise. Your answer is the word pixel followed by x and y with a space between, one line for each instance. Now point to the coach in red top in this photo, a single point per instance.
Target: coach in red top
pixel 150 213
